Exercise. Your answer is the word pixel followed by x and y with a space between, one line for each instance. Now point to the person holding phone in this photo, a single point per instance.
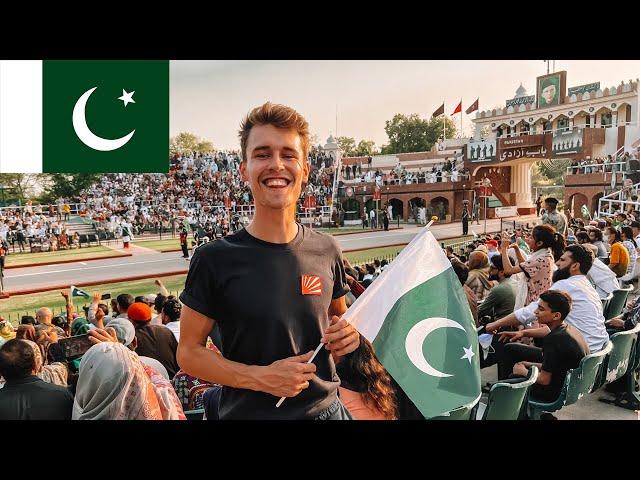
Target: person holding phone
pixel 276 289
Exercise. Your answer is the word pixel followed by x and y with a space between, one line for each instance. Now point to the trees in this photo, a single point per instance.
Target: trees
pixel 22 185
pixel 186 142
pixel 365 148
pixel 410 133
pixel 67 185
pixel 349 148
pixel 347 145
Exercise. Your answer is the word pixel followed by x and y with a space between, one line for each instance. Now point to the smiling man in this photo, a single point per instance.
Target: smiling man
pixel 276 289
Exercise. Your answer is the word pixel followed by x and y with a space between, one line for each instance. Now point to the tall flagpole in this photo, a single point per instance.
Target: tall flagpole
pixel 444 123
pixel 461 118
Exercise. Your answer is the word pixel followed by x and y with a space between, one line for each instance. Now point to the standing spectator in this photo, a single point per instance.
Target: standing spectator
pixel 183 243
pixel 372 219
pixel 553 217
pixel 538 205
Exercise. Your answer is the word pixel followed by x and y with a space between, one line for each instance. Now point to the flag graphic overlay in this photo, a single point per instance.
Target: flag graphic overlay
pixel 417 317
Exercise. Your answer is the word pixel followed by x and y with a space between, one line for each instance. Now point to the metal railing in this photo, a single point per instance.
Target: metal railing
pixel 620 198
pixel 613 167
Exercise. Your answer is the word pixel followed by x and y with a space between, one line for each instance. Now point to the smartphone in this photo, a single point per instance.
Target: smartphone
pixel 74 347
pixel 105 296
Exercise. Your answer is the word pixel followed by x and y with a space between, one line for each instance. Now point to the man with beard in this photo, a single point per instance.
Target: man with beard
pixel 586 313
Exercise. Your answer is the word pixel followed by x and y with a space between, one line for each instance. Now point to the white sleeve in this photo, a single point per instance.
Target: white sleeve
pixel 526 314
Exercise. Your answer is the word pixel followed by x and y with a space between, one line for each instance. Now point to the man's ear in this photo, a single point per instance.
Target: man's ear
pixel 243 170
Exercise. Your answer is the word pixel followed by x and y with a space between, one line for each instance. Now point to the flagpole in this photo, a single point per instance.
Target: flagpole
pixel 444 124
pixel 319 347
pixel 461 118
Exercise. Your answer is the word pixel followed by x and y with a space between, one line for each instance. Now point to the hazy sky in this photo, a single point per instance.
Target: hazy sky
pixel 209 98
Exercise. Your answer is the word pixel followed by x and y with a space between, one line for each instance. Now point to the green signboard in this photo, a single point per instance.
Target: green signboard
pixel 590 87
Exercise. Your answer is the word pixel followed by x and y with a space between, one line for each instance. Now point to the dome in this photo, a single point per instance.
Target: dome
pixel 331 143
pixel 521 91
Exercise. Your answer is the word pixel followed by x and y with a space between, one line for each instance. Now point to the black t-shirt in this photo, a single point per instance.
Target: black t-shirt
pixel 31 398
pixel 158 342
pixel 562 350
pixel 254 289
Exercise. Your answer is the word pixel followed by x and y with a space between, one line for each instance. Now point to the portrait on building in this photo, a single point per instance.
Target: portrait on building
pixel 566 143
pixel 483 151
pixel 550 89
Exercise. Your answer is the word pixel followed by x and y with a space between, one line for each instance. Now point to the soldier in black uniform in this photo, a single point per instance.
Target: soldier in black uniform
pixel 465 217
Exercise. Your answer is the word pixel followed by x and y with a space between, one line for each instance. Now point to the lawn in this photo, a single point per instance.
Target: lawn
pixel 161 245
pixel 16 306
pixel 16 259
pixel 367 256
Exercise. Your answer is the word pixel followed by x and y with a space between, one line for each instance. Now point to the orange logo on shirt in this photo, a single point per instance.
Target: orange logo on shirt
pixel 311 285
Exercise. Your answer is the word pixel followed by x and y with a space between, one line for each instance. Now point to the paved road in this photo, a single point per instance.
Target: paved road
pixel 149 262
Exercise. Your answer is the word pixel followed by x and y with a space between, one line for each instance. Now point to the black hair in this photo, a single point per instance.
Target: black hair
pixel 60 322
pixel 496 260
pixel 27 320
pixel 172 309
pixel 550 239
pixel 159 302
pixel 462 271
pixel 371 269
pixel 616 234
pixel 597 233
pixel 628 233
pixel 104 308
pixel 16 360
pixel 583 237
pixel 558 301
pixel 582 256
pixel 140 299
pixel 124 300
pixel 376 263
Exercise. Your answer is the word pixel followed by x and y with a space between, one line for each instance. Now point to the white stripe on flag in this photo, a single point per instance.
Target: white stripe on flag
pixel 21 116
pixel 418 262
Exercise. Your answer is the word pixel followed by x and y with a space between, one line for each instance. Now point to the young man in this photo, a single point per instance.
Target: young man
pixel 501 298
pixel 586 314
pixel 553 217
pixel 276 289
pixel 563 347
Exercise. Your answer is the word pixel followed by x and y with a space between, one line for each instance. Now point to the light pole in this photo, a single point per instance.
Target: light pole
pixel 487 185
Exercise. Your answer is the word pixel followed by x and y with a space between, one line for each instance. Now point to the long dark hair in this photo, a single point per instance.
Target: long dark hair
pixel 615 233
pixel 550 239
pixel 628 233
pixel 380 393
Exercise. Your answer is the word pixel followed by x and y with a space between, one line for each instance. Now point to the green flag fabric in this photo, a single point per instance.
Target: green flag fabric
pixel 76 292
pixel 417 317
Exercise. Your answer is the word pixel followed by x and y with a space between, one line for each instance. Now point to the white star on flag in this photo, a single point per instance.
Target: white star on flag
pixel 127 98
pixel 468 354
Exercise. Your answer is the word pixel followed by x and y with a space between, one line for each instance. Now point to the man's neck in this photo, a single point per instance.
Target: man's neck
pixel 552 326
pixel 274 226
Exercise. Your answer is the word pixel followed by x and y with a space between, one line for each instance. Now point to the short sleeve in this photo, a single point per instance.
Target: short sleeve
pixel 199 291
pixel 531 267
pixel 340 286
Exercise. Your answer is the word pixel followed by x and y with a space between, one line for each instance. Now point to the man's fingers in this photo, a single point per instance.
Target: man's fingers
pixel 301 358
pixel 342 342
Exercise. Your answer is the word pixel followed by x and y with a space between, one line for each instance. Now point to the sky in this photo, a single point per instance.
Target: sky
pixel 210 98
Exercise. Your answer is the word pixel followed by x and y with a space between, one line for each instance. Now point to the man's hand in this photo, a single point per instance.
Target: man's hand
pixel 99 335
pixel 96 297
pixel 65 294
pixel 341 338
pixel 615 323
pixel 491 328
pixel 520 370
pixel 158 282
pixel 350 279
pixel 287 377
pixel 511 336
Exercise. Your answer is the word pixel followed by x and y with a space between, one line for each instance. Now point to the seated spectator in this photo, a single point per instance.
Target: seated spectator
pixel 122 304
pixel 27 320
pixel 619 256
pixel 44 317
pixel 478 278
pixel 366 389
pixel 132 394
pixel 54 372
pixel 171 316
pixel 6 331
pixel 501 298
pixel 153 341
pixel 626 234
pixel 601 276
pixel 586 313
pixel 595 235
pixel 25 396
pixel 462 271
pixel 563 348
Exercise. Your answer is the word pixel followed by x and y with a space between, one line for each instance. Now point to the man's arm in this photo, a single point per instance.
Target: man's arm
pixel 508 321
pixel 283 378
pixel 486 307
pixel 163 289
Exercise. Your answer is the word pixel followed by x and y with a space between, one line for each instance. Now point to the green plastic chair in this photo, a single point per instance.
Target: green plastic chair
pixel 506 399
pixel 194 414
pixel 462 413
pixel 617 303
pixel 579 382
pixel 605 302
pixel 622 356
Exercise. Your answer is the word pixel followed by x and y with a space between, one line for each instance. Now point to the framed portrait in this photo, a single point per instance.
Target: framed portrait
pixel 550 89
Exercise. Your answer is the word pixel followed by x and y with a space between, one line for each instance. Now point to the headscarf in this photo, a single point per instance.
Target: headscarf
pixel 80 326
pixel 170 405
pixel 113 385
pixel 6 330
pixel 55 373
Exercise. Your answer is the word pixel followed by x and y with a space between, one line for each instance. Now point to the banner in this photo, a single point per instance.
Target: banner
pixel 521 100
pixel 566 143
pixel 483 151
pixel 590 87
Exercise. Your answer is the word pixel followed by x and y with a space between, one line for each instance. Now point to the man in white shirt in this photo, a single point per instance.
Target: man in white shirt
pixel 600 275
pixel 586 313
pixel 171 316
pixel 372 217
pixel 635 228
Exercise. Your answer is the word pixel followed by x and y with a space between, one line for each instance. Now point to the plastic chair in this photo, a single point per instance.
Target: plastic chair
pixel 579 382
pixel 617 303
pixel 194 414
pixel 507 399
pixel 622 355
pixel 463 413
pixel 605 302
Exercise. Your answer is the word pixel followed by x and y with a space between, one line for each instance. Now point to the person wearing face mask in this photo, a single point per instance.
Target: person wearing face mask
pixel 586 314
pixel 596 237
pixel 619 256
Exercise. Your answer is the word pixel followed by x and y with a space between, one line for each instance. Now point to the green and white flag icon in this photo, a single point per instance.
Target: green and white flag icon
pixel 417 317
pixel 84 116
pixel 585 211
pixel 76 292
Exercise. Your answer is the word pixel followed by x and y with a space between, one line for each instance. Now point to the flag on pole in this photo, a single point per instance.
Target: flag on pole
pixel 76 292
pixel 473 107
pixel 585 211
pixel 458 108
pixel 439 111
pixel 84 116
pixel 417 317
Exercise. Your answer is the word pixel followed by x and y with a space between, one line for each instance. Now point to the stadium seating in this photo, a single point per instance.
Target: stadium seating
pixel 617 303
pixel 506 400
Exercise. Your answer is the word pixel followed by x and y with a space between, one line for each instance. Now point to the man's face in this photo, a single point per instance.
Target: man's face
pixel 275 166
pixel 544 313
pixel 548 93
pixel 494 273
pixel 564 264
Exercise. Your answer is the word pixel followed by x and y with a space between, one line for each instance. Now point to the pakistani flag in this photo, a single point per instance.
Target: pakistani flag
pixel 76 292
pixel 585 211
pixel 418 319
pixel 84 116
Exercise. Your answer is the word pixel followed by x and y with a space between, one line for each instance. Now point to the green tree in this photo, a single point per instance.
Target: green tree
pixel 365 148
pixel 68 185
pixel 410 133
pixel 21 186
pixel 186 142
pixel 347 145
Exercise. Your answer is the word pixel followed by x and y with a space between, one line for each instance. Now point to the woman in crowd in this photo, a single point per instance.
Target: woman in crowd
pixel 546 246
pixel 366 388
pixel 619 256
pixel 55 372
pixel 478 279
pixel 630 244
pixel 132 394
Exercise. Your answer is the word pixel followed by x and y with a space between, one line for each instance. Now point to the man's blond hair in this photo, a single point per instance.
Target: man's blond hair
pixel 280 116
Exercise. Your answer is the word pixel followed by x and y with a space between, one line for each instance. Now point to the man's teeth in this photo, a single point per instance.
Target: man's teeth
pixel 276 182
